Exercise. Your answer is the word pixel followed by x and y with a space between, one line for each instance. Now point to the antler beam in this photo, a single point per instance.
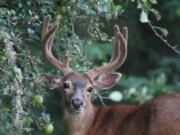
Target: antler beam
pixel 119 53
pixel 47 40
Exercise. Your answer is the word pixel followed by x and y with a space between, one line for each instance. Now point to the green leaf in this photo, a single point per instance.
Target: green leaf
pixel 139 5
pixel 164 31
pixel 13 73
pixel 178 11
pixel 156 14
pixel 144 17
pixel 118 8
pixel 161 79
pixel 153 1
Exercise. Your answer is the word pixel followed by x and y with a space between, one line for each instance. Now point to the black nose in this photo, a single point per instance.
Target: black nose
pixel 77 103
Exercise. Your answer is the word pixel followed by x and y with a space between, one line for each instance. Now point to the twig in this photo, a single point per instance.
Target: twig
pixel 28 57
pixel 4 71
pixel 101 99
pixel 164 40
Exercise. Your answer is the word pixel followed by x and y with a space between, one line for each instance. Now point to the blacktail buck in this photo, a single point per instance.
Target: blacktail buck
pixel 160 116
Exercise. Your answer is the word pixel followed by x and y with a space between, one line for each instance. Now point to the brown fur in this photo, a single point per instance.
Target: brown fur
pixel 161 116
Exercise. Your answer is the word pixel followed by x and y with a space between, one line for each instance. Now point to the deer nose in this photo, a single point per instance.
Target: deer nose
pixel 77 103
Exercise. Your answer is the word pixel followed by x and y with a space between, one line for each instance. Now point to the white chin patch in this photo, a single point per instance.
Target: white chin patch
pixel 81 110
pixel 77 111
pixel 74 112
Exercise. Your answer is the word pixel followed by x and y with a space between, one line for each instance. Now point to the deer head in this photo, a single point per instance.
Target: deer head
pixel 78 88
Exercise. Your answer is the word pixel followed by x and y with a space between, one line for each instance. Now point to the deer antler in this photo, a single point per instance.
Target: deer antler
pixel 115 48
pixel 119 53
pixel 47 40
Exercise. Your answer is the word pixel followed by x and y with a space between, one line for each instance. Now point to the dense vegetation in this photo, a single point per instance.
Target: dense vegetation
pixel 151 69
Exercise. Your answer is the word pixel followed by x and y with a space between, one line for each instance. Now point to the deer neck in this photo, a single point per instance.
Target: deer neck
pixel 79 124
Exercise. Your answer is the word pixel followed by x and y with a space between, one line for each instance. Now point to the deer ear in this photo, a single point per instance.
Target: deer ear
pixel 51 81
pixel 106 81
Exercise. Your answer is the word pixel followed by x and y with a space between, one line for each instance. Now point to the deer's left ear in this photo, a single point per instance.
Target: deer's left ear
pixel 106 81
pixel 51 81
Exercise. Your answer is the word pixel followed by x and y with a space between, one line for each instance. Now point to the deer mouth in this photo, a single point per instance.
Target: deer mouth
pixel 77 110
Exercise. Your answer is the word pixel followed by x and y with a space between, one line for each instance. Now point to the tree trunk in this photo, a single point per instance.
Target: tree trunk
pixel 16 87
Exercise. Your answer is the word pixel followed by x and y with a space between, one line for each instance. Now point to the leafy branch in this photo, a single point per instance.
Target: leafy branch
pixel 146 8
pixel 154 28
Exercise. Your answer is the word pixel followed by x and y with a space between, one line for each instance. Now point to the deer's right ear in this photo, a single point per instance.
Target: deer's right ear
pixel 51 81
pixel 106 81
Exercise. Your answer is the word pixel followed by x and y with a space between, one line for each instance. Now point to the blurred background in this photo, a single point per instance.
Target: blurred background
pixel 86 27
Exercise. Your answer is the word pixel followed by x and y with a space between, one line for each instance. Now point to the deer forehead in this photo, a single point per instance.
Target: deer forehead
pixel 78 80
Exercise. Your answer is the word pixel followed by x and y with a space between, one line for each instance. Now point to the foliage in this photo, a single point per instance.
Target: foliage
pixel 84 36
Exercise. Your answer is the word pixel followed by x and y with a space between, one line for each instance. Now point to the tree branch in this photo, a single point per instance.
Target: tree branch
pixel 162 39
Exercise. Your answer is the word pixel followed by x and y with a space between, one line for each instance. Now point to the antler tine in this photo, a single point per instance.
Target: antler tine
pixel 119 54
pixel 125 33
pixel 47 40
pixel 46 22
pixel 123 39
pixel 115 48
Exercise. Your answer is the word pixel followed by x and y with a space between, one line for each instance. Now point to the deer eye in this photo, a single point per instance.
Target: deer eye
pixel 90 89
pixel 66 85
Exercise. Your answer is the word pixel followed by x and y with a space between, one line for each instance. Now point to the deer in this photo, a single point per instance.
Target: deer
pixel 160 116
